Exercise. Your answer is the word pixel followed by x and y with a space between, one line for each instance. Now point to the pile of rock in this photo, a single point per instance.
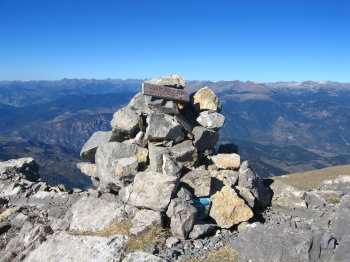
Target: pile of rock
pixel 160 160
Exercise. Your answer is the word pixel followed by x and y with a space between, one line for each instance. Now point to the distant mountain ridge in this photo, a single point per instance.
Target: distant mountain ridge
pixel 309 119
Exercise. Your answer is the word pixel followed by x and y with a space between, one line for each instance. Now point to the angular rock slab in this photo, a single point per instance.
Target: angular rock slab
pixel 107 156
pixel 145 105
pixel 211 120
pixel 126 120
pixel 89 149
pixel 201 230
pixel 156 156
pixel 127 168
pixel 257 242
pixel 170 80
pixel 163 127
pixel 63 247
pixel 150 190
pixel 249 179
pixel 205 99
pixel 170 166
pixel 227 161
pixel 198 181
pixel 92 214
pixel 182 217
pixel 204 138
pixel 228 208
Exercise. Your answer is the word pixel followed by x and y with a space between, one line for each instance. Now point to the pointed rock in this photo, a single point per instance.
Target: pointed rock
pixel 205 99
pixel 89 149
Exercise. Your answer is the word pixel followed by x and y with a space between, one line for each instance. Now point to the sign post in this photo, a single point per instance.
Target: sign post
pixel 165 92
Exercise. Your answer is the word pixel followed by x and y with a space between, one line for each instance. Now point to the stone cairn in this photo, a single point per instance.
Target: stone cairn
pixel 160 159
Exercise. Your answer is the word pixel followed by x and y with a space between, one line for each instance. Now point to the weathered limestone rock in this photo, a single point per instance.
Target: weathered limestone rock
pixel 228 177
pixel 126 120
pixel 227 161
pixel 341 226
pixel 204 138
pixel 205 99
pixel 228 208
pixel 211 120
pixel 89 149
pixel 140 256
pixel 107 157
pixel 171 166
pixel 127 168
pixel 162 127
pixel 150 190
pixel 199 181
pixel 182 217
pixel 140 139
pixel 88 169
pixel 90 214
pixel 65 247
pixel 143 219
pixel 185 153
pixel 16 169
pixel 171 81
pixel 201 230
pixel 246 195
pixel 145 105
pixel 249 179
pixel 156 156
pixel 273 242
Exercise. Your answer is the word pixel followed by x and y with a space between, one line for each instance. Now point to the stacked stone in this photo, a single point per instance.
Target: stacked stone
pixel 160 158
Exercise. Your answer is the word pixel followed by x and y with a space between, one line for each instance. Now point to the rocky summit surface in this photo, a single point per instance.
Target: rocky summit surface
pixel 163 193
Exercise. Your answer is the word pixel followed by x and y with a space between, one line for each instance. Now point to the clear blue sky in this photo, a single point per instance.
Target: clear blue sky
pixel 280 40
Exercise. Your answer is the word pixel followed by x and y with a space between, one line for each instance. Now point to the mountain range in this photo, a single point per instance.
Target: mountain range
pixel 281 127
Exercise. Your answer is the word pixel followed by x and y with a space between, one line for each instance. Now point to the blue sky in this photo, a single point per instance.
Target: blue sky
pixel 200 39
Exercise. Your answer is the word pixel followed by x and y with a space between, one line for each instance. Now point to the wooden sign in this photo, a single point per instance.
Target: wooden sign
pixel 165 92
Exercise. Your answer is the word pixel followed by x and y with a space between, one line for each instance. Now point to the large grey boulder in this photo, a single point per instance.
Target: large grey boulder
pixel 90 214
pixel 273 242
pixel 107 157
pixel 63 247
pixel 204 138
pixel 89 149
pixel 250 180
pixel 198 182
pixel 170 80
pixel 211 120
pixel 126 120
pixel 205 99
pixel 341 253
pixel 16 169
pixel 145 105
pixel 182 217
pixel 151 190
pixel 163 127
pixel 185 153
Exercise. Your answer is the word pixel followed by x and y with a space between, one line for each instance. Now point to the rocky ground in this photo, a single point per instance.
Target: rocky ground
pixel 163 193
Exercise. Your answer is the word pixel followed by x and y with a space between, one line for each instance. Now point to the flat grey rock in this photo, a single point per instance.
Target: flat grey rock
pixel 211 120
pixel 151 190
pixel 170 80
pixel 198 182
pixel 163 127
pixel 185 153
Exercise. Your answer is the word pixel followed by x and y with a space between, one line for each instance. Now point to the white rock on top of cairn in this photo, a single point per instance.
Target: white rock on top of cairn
pixel 161 157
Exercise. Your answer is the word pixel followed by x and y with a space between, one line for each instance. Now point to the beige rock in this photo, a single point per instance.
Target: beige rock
pixel 8 212
pixel 228 208
pixel 205 99
pixel 227 161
